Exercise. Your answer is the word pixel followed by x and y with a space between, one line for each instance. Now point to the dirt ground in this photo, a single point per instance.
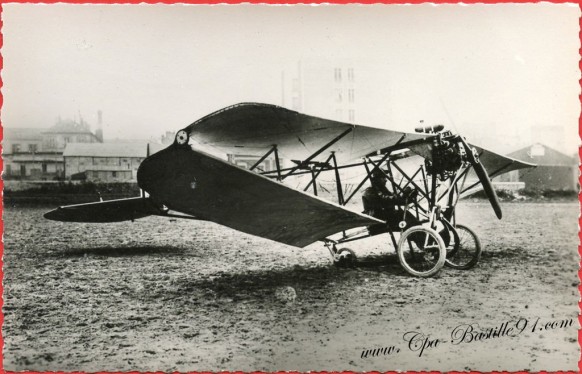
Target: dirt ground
pixel 160 294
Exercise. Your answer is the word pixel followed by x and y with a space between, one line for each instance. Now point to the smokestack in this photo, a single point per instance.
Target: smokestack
pixel 99 131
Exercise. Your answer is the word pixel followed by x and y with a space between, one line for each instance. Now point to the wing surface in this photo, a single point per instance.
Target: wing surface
pixel 494 163
pixel 497 164
pixel 198 184
pixel 252 129
pixel 104 211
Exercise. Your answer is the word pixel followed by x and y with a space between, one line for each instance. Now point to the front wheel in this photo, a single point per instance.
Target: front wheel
pixel 421 251
pixel 467 249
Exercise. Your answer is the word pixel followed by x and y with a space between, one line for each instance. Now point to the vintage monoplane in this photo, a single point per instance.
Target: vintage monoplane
pixel 192 178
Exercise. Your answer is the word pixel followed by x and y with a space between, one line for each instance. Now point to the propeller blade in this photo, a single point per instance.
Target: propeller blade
pixel 483 178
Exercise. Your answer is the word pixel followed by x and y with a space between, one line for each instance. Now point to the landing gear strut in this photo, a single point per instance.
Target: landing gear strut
pixel 343 257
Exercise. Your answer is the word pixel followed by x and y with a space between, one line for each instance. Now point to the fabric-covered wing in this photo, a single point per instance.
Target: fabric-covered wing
pixel 497 164
pixel 195 183
pixel 252 129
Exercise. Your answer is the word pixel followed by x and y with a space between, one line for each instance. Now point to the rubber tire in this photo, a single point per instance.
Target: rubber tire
pixel 441 247
pixel 346 263
pixel 475 254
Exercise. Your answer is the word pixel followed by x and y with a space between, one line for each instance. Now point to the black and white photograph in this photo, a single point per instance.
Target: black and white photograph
pixel 312 187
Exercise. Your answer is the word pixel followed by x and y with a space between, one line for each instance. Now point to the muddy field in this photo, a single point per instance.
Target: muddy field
pixel 184 295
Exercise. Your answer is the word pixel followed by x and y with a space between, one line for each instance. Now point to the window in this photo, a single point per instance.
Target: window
pixel 338 96
pixel 44 168
pixel 114 174
pixel 51 143
pixel 32 148
pixel 15 148
pixel 352 115
pixel 8 169
pixel 67 139
pixel 23 170
pixel 351 95
pixel 337 74
pixel 351 74
pixel 113 161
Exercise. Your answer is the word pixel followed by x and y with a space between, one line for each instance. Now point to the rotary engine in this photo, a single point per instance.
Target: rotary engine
pixel 448 155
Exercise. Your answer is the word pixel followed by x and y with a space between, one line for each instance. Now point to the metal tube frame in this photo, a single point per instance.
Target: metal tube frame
pixel 273 148
pixel 454 181
pixel 304 163
pixel 324 166
pixel 338 182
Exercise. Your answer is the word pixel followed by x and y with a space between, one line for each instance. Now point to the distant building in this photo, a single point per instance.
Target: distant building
pixel 554 171
pixel 25 157
pixel 37 153
pixel 106 162
pixel 63 132
pixel 336 89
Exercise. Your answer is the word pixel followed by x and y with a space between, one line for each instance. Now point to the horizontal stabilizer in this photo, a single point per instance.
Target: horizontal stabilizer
pixel 105 211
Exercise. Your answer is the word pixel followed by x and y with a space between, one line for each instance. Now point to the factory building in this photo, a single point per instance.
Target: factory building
pixel 106 162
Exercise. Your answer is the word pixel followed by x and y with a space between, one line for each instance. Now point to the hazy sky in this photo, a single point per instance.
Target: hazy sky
pixel 152 68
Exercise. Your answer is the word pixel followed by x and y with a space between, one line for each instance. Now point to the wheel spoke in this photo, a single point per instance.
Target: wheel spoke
pixel 467 251
pixel 421 251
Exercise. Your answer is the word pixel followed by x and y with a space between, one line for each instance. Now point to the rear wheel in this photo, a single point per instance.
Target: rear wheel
pixel 421 251
pixel 447 233
pixel 345 258
pixel 467 249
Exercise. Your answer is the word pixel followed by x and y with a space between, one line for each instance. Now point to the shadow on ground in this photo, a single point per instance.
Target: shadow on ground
pixel 122 251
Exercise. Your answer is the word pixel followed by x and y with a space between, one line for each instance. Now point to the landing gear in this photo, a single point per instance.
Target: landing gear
pixel 421 251
pixel 343 257
pixel 466 249
pixel 461 243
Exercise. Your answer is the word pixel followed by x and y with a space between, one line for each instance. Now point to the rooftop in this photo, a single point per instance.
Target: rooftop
pixel 25 133
pixel 110 149
pixel 69 126
pixel 541 154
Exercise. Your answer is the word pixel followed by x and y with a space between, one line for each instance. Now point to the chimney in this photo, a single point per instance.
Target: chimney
pixel 99 131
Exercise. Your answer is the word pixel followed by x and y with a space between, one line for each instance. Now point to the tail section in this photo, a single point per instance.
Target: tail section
pixel 105 211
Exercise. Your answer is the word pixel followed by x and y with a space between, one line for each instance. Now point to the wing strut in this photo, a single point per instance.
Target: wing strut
pixel 411 180
pixel 365 178
pixel 318 152
pixel 338 182
pixel 394 185
pixel 455 180
pixel 314 176
pixel 277 162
